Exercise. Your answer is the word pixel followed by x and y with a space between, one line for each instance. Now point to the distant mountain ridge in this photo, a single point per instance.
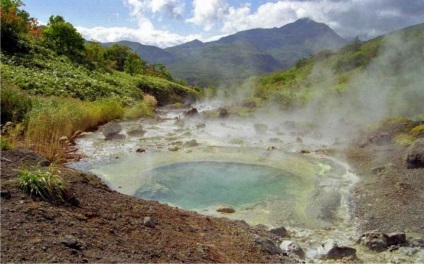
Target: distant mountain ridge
pixel 243 54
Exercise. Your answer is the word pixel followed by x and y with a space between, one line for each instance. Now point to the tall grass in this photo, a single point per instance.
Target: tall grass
pixel 52 118
pixel 142 109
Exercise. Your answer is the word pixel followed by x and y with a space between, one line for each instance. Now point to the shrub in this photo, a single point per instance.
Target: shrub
pixel 5 145
pixel 418 130
pixel 43 184
pixel 404 140
pixel 14 103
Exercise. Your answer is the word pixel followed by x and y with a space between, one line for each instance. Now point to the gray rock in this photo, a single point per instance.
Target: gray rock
pixel 226 209
pixel 174 148
pixel 292 249
pixel 267 245
pixel 192 112
pixel 380 139
pixel 334 251
pixel 280 231
pixel 148 222
pixel 72 242
pixel 111 129
pixel 415 240
pixel 396 239
pixel 374 240
pixel 136 131
pixel 415 154
pixel 223 112
pixel 191 143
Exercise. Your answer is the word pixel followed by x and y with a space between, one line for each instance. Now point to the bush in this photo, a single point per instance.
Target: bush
pixel 5 145
pixel 43 184
pixel 14 103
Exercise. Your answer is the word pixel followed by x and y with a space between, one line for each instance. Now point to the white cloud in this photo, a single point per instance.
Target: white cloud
pixel 153 37
pixel 207 13
pixel 146 32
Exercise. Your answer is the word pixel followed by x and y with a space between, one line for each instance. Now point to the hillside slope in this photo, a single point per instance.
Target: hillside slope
pixel 244 54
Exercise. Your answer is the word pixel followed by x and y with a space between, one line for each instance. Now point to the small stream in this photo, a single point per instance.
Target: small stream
pixel 198 163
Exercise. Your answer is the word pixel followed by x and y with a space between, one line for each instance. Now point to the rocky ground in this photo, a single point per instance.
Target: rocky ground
pixel 108 226
pixel 111 227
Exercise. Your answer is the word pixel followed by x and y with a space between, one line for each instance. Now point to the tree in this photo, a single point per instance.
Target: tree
pixel 95 52
pixel 134 65
pixel 15 24
pixel 117 55
pixel 62 37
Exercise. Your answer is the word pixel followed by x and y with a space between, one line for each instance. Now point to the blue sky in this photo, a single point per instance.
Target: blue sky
pixel 165 23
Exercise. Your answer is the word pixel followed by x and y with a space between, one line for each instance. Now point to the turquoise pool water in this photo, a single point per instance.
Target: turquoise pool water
pixel 192 185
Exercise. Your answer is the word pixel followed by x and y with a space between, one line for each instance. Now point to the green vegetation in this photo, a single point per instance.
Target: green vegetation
pixel 42 183
pixel 5 145
pixel 54 83
pixel 391 66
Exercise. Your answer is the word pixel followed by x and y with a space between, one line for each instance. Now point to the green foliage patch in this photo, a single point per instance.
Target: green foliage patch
pixel 42 183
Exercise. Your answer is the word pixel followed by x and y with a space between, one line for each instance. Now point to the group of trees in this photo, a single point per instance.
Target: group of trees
pixel 19 32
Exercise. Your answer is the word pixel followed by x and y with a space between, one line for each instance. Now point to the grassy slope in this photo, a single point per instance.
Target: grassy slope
pixel 44 73
pixel 329 73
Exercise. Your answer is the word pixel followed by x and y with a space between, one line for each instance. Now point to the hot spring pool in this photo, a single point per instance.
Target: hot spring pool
pixel 194 185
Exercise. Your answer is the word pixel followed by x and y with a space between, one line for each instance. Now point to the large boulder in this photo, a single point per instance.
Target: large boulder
pixel 136 131
pixel 111 129
pixel 374 240
pixel 292 249
pixel 267 245
pixel 415 154
pixel 333 251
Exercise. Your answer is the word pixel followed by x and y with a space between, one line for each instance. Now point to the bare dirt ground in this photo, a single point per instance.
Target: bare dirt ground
pixel 109 227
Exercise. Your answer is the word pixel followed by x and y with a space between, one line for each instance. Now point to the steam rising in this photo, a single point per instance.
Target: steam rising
pixel 392 85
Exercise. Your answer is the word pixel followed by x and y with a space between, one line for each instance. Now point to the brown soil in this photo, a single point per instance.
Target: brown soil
pixel 109 227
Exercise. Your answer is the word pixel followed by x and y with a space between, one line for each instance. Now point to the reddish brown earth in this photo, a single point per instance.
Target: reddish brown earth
pixel 108 226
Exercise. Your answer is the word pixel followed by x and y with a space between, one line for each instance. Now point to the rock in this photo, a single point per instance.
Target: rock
pixel 5 194
pixel 226 209
pixel 267 245
pixel 174 148
pixel 140 150
pixel 223 112
pixel 192 112
pixel 260 128
pixel 280 231
pixel 380 139
pixel 299 139
pixel 136 131
pixel 378 170
pixel 111 129
pixel 292 249
pixel 148 222
pixel 334 251
pixel 396 239
pixel 191 143
pixel 415 240
pixel 7 127
pixel 71 242
pixel 201 125
pixel 415 154
pixel 374 240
